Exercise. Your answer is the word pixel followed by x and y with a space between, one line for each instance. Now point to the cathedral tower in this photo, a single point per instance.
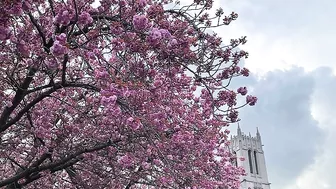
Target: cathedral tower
pixel 250 148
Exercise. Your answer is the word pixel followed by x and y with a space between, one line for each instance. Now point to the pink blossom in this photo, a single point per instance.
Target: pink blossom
pixel 154 36
pixel 108 101
pixel 158 83
pixel 245 72
pixel 173 42
pixel 155 10
pixel 116 28
pixel 131 35
pixel 236 69
pixel 122 3
pixel 140 22
pixel 142 3
pixel 242 90
pixel 85 18
pixel 118 44
pixel 9 103
pixel 227 97
pixel 23 49
pixel 91 55
pixel 61 38
pixel 58 49
pixel 157 162
pixel 4 33
pixel 165 33
pixel 52 64
pixel 126 160
pixel 130 120
pixel 164 180
pixel 30 62
pixel 251 100
pixel 233 116
pixel 100 74
pixel 16 9
pixel 63 17
pixel 145 165
pixel 136 126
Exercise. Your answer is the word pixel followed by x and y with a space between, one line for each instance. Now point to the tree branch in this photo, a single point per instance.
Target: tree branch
pixel 4 126
pixel 65 60
pixel 55 166
pixel 20 93
pixel 39 29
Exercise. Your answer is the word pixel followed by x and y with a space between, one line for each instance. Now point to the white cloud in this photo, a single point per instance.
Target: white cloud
pixel 282 34
pixel 296 117
pixel 320 174
pixel 290 134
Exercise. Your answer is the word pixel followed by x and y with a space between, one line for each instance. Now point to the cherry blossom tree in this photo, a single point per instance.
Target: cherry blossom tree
pixel 122 94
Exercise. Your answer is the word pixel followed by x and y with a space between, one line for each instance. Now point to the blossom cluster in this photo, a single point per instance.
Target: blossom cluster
pixel 124 94
pixel 63 17
pixel 59 47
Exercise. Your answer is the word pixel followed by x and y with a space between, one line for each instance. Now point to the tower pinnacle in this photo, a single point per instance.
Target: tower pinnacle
pixel 258 135
pixel 239 133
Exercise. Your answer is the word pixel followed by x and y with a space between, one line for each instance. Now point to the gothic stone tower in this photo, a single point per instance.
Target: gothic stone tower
pixel 250 148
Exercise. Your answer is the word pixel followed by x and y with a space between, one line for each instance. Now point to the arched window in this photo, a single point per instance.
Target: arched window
pixel 256 162
pixel 250 160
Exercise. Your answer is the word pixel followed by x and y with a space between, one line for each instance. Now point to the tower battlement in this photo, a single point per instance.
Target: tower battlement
pixel 251 149
pixel 243 141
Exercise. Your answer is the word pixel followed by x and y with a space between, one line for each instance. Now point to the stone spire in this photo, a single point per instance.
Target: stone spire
pixel 239 133
pixel 258 135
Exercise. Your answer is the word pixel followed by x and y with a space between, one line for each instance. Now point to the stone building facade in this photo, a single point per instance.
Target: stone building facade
pixel 251 149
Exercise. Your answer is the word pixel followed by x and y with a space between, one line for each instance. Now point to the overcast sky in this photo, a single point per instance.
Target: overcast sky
pixel 291 46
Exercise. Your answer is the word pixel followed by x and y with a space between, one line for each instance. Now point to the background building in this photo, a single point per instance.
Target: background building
pixel 250 148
